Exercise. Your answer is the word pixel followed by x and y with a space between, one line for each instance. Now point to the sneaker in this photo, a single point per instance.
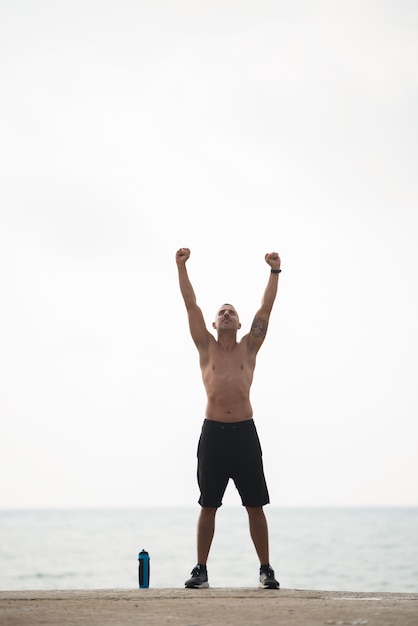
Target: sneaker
pixel 199 579
pixel 267 580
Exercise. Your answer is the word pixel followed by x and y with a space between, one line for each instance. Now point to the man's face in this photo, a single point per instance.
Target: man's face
pixel 227 318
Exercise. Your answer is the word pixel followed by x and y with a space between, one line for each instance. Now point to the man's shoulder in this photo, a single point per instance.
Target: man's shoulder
pixel 243 343
pixel 208 345
pixel 252 342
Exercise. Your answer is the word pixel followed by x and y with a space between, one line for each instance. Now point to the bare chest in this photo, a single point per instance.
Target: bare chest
pixel 235 366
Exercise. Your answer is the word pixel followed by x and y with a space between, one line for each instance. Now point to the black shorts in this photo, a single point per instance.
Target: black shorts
pixel 230 450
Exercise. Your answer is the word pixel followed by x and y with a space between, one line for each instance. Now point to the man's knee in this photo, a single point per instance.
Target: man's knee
pixel 255 511
pixel 208 511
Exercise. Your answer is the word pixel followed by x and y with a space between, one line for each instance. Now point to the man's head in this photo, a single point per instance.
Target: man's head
pixel 226 318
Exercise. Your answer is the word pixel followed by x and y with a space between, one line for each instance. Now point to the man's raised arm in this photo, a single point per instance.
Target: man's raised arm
pixel 198 330
pixel 261 318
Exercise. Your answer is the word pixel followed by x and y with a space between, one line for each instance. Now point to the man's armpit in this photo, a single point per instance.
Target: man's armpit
pixel 259 328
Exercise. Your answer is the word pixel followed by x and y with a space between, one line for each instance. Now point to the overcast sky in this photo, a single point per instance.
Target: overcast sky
pixel 129 129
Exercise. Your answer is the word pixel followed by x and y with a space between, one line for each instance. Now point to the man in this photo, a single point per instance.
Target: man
pixel 229 446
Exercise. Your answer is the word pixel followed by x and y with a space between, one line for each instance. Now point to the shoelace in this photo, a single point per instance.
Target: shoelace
pixel 196 571
pixel 268 572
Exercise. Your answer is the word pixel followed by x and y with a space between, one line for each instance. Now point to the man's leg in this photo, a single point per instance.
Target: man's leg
pixel 205 532
pixel 259 532
pixel 259 535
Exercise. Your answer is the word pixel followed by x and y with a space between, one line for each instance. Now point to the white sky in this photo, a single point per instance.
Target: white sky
pixel 129 129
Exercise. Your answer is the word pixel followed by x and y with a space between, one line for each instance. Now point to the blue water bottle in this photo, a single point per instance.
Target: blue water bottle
pixel 143 569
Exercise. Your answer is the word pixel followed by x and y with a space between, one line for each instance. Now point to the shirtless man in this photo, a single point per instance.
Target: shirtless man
pixel 229 446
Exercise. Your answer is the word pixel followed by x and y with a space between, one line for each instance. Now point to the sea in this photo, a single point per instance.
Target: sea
pixel 336 549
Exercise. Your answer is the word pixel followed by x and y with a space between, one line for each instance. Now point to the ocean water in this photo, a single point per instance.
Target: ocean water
pixel 325 549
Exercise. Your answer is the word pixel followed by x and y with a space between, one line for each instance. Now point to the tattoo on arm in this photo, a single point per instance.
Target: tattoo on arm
pixel 259 328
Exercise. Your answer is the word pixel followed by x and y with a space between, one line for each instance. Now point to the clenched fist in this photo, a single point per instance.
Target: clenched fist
pixel 182 255
pixel 273 259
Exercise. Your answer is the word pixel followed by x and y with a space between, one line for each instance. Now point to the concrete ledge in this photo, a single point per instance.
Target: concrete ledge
pixel 207 607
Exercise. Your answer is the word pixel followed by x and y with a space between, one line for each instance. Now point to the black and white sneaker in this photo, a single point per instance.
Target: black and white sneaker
pixel 199 579
pixel 267 580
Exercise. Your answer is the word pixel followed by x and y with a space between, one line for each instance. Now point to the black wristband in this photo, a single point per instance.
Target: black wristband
pixel 276 271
